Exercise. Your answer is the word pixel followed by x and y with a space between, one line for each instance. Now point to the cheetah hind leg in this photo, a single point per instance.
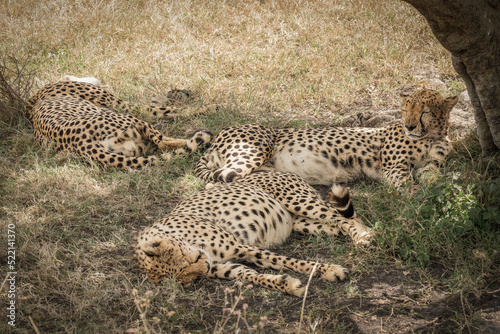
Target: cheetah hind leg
pixel 198 140
pixel 128 143
pixel 148 133
pixel 135 142
pixel 357 230
pixel 284 283
pixel 307 225
pixel 352 225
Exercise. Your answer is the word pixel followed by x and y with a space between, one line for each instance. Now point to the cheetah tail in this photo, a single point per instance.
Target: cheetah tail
pixel 340 198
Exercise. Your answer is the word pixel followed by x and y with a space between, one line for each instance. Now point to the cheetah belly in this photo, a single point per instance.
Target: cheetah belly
pixel 261 228
pixel 252 216
pixel 312 167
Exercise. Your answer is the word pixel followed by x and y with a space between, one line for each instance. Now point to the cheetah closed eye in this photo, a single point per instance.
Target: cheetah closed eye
pixel 204 235
pixel 78 117
pixel 330 155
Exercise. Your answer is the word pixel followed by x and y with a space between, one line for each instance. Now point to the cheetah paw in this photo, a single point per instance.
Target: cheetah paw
pixel 333 272
pixel 293 286
pixel 364 240
pixel 210 185
pixel 165 156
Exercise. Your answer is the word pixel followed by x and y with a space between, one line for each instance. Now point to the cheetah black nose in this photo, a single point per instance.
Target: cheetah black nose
pixel 410 127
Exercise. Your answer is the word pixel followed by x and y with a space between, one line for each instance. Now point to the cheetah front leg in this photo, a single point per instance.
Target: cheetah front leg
pixel 267 259
pixel 329 216
pixel 429 172
pixel 396 172
pixel 229 270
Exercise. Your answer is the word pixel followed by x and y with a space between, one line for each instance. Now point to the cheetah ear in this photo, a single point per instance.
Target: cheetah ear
pixel 451 101
pixel 404 97
pixel 151 248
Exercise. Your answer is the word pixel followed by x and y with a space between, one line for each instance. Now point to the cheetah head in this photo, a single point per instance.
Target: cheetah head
pixel 426 114
pixel 172 258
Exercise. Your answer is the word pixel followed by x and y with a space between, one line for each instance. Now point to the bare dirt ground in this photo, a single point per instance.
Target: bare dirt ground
pixel 392 301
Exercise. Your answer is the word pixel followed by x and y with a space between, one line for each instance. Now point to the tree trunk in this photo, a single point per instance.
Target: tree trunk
pixel 470 30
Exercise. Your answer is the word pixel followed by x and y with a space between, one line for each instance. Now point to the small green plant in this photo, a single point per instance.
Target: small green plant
pixel 443 210
pixel 486 215
pixel 442 224
pixel 446 205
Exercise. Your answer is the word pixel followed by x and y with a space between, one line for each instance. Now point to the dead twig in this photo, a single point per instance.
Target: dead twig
pixel 305 296
pixel 33 324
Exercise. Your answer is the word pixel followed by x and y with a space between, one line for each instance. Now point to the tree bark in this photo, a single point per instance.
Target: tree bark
pixel 470 30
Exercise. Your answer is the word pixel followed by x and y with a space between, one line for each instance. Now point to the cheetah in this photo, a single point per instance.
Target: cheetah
pixel 78 117
pixel 336 155
pixel 237 221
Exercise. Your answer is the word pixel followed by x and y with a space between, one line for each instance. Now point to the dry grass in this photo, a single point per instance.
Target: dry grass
pixel 298 63
pixel 257 56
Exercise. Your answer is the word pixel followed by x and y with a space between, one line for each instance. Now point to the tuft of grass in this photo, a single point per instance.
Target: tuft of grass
pixel 16 83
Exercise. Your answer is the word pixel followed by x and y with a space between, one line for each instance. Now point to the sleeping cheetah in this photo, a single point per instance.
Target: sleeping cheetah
pixel 228 222
pixel 329 155
pixel 77 117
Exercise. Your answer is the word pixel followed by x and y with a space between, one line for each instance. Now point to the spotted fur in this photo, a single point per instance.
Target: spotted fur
pixel 203 235
pixel 78 117
pixel 331 155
